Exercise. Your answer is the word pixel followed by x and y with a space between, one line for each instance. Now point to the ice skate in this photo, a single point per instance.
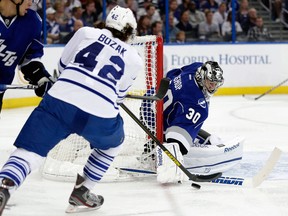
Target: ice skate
pixel 4 193
pixel 82 200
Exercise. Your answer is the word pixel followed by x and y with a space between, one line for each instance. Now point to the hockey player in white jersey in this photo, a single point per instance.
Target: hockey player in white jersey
pixel 97 68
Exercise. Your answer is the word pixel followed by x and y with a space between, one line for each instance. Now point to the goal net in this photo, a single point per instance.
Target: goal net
pixel 68 157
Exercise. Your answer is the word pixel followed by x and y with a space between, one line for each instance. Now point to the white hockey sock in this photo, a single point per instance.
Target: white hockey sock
pixel 98 163
pixel 20 163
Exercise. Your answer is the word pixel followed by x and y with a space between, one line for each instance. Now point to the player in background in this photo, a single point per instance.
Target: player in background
pixel 20 44
pixel 186 107
pixel 97 68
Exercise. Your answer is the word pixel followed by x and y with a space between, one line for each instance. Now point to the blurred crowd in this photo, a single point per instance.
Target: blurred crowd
pixel 188 20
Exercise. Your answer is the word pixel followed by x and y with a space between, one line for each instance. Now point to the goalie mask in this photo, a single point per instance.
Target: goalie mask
pixel 121 19
pixel 210 77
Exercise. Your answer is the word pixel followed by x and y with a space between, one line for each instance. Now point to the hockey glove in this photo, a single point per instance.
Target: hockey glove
pixel 36 74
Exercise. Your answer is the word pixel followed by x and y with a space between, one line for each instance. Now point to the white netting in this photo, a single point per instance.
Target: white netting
pixel 67 159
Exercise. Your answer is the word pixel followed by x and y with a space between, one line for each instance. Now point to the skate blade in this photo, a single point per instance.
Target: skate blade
pixel 76 209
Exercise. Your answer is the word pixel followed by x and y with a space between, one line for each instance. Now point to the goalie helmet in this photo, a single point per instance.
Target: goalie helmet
pixel 210 77
pixel 120 19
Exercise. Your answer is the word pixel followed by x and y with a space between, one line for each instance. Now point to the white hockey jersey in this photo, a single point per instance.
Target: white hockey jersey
pixel 96 71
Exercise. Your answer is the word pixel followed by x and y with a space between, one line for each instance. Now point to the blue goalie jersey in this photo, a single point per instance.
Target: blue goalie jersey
pixel 20 40
pixel 185 106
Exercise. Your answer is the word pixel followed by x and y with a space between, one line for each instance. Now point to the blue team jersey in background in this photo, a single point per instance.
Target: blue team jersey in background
pixel 185 106
pixel 21 39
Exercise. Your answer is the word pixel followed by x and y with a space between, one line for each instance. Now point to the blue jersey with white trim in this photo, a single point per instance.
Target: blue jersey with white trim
pixel 96 72
pixel 184 104
pixel 20 40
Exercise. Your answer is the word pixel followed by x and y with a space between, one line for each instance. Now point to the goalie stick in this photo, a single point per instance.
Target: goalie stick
pixel 227 180
pixel 192 177
pixel 267 92
pixel 258 178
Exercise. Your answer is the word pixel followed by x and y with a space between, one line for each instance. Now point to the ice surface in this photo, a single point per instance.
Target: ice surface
pixel 264 123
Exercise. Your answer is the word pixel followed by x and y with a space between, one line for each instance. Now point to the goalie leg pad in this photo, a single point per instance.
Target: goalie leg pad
pixel 167 170
pixel 209 159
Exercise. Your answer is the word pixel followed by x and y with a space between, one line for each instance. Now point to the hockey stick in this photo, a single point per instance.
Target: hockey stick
pixel 163 87
pixel 267 92
pixel 258 178
pixel 191 176
pixel 4 87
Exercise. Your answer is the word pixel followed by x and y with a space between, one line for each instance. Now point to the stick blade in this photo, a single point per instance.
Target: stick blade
pixel 205 178
pixel 267 168
pixel 162 90
pixel 249 97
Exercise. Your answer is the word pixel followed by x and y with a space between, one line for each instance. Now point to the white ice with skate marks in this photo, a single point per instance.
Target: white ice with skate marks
pixel 264 124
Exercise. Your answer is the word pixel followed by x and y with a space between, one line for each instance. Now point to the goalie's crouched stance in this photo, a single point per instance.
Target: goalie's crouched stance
pixel 186 107
pixel 207 155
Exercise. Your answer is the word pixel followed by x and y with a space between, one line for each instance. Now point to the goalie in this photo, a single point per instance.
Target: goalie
pixel 186 107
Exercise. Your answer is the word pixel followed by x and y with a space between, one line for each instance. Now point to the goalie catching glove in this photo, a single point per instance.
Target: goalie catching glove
pixel 167 170
pixel 36 74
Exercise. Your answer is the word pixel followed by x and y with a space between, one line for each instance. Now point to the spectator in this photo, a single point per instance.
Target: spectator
pixel 152 13
pixel 211 5
pixel 173 8
pixel 252 14
pixel 60 15
pixel 76 14
pixel 259 32
pixel 182 7
pixel 220 15
pixel 77 25
pixel 142 4
pixel 208 29
pixel 276 10
pixel 53 28
pixel 172 27
pixel 39 7
pixel 184 23
pixel 181 37
pixel 89 16
pixel 251 21
pixel 70 4
pixel 242 15
pixel 157 28
pixel 143 26
pixel 226 28
pixel 195 16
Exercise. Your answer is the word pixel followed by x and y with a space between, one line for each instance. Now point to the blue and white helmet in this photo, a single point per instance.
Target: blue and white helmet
pixel 120 18
pixel 210 77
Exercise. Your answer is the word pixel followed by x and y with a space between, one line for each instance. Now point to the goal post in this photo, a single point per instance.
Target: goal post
pixel 69 156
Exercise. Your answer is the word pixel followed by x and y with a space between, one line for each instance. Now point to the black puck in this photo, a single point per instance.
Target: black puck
pixel 196 186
